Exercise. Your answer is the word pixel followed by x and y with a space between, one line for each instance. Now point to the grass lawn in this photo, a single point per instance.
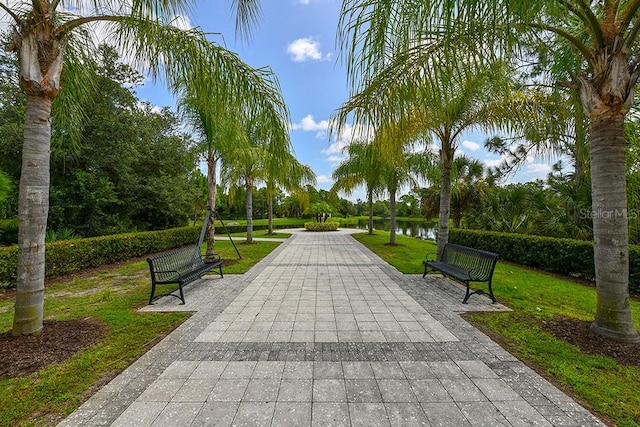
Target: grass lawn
pixel 600 383
pixel 261 234
pixel 111 295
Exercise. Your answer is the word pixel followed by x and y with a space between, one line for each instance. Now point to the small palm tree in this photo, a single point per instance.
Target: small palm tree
pixel 290 175
pixel 361 168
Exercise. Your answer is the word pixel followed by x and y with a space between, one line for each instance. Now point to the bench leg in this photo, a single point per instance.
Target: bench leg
pixel 493 299
pixel 479 292
pixel 466 297
pixel 221 271
pixel 181 294
pixel 153 291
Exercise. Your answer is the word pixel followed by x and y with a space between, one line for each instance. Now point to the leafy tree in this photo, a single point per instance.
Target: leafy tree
pixel 594 46
pixel 409 206
pixel 48 37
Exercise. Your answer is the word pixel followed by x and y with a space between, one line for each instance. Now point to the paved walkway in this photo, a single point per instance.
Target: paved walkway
pixel 322 332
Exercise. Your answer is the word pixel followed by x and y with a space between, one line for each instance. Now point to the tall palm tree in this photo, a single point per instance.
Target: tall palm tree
pixel 225 122
pixel 595 47
pixel 51 36
pixel 268 148
pixel 361 168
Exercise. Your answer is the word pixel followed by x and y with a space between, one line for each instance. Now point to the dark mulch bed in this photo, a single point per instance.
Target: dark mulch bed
pixel 579 333
pixel 58 342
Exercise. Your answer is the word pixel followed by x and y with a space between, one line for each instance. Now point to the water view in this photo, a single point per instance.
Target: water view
pixel 422 230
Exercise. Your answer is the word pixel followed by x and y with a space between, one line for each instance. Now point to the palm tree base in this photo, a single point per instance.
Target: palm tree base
pixel 629 335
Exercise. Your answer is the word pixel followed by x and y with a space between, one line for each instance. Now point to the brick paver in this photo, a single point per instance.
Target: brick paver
pixel 322 332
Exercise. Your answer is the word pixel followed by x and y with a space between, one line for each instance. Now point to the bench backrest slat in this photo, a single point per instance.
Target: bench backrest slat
pixel 181 261
pixel 478 263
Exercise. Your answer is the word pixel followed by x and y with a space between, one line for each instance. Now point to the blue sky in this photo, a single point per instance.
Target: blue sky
pixel 297 40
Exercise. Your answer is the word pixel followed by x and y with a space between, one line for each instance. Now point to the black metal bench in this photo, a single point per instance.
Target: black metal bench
pixel 180 266
pixel 465 265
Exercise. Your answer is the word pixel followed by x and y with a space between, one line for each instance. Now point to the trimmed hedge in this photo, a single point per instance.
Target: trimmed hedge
pixel 66 257
pixel 71 256
pixel 321 226
pixel 566 256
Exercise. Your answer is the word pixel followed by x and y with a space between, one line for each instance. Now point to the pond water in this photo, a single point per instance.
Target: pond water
pixel 423 230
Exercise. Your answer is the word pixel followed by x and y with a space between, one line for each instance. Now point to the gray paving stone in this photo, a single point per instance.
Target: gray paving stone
pixel 194 390
pixel 406 414
pixel 444 415
pixel 363 391
pixel 140 414
pixel 254 414
pixel 430 390
pixel 330 415
pixel 292 414
pixel 368 415
pixel 322 318
pixel 228 390
pixel 178 414
pixel 329 390
pixel 295 390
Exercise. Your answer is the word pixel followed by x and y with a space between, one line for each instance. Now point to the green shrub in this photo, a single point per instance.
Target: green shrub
pixel 9 231
pixel 566 256
pixel 321 226
pixel 66 257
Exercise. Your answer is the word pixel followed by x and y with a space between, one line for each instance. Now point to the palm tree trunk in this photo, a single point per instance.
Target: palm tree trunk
pixel 446 156
pixel 270 215
pixel 370 202
pixel 610 228
pixel 33 209
pixel 270 192
pixel 249 209
pixel 392 216
pixel 211 204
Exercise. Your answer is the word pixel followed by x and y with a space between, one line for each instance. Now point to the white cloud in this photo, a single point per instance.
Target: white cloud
pixel 491 163
pixel 470 145
pixel 182 23
pixel 309 124
pixel 537 170
pixel 335 160
pixel 306 49
pixel 323 179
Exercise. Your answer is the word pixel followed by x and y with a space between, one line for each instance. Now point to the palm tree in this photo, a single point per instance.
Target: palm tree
pixel 594 45
pixel 290 175
pixel 444 108
pixel 268 149
pixel 468 185
pixel 361 168
pixel 402 169
pixel 243 168
pixel 49 37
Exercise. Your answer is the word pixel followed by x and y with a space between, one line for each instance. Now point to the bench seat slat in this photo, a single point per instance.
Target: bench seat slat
pixel 180 266
pixel 465 265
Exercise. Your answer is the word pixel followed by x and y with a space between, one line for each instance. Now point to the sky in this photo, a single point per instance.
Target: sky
pixel 297 40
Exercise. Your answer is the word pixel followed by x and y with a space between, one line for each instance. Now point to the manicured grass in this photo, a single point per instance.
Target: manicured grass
pixel 112 295
pixel 600 383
